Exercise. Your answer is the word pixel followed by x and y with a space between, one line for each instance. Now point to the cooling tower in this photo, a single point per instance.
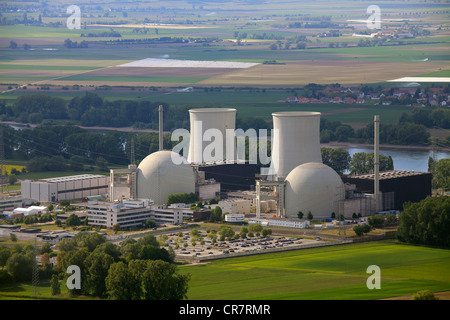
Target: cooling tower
pixel 201 145
pixel 296 141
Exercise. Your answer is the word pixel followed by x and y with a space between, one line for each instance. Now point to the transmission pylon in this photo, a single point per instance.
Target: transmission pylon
pixel 35 272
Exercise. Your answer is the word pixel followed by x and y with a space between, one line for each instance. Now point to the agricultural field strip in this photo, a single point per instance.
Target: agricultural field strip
pixel 176 63
pixel 422 79
pixel 51 79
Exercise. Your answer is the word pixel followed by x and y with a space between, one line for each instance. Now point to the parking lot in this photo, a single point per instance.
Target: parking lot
pixel 204 248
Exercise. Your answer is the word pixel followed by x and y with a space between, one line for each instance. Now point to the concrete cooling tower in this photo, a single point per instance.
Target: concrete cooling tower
pixel 203 119
pixel 158 177
pixel 313 187
pixel 296 140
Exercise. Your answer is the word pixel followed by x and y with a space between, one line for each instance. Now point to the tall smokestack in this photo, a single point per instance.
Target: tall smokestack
pixel 376 160
pixel 161 125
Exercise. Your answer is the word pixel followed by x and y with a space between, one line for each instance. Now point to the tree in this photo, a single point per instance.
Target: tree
pixel 116 227
pixel 121 283
pixel 110 249
pixel 300 215
pixel 5 253
pixel 309 216
pixel 225 232
pixel 161 282
pixel 149 223
pixel 216 214
pixel 376 221
pixel 441 174
pixel 97 265
pixel 20 266
pixel 12 45
pixel 12 179
pixel 362 163
pixel 255 227
pixel 13 237
pixel 338 159
pixel 73 220
pixel 76 257
pixel 361 229
pixel 45 248
pixel 55 286
pixel 424 295
pixel 426 222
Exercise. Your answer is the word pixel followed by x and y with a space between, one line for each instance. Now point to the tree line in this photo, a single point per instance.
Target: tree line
pixel 340 161
pixel 426 222
pixel 93 110
pixel 135 270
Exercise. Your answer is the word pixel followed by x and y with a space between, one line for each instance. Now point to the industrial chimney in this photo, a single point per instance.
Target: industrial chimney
pixel 296 141
pixel 202 120
pixel 376 162
pixel 161 128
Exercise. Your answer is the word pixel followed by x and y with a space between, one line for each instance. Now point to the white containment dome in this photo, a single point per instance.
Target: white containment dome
pixel 201 121
pixel 158 177
pixel 314 187
pixel 296 140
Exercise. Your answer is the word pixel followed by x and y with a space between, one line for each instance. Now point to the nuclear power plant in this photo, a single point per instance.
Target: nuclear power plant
pixel 297 176
pixel 297 181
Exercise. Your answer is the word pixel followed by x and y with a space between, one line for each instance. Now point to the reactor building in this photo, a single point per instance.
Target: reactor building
pixel 297 179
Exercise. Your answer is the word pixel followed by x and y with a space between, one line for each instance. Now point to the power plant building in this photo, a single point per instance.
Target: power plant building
pixel 313 187
pixel 394 182
pixel 65 188
pixel 159 176
pixel 300 182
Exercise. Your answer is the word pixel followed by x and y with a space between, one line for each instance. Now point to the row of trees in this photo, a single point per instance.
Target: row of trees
pixel 429 117
pixel 426 222
pixel 360 163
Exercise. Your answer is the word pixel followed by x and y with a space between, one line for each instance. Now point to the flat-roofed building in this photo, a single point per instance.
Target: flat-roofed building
pixel 9 203
pixel 65 188
pixel 131 213
pixel 405 186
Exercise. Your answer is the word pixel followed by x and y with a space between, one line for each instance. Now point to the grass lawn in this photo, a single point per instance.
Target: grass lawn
pixel 324 273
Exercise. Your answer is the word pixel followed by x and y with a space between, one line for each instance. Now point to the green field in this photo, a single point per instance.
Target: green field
pixel 327 273
pixel 330 273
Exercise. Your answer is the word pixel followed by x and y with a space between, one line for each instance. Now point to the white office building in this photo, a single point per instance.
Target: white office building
pixel 274 222
pixel 131 213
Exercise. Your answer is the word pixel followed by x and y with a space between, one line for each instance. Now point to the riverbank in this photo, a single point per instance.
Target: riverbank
pixel 350 145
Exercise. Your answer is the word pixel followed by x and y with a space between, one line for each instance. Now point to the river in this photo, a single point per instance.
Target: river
pixel 404 159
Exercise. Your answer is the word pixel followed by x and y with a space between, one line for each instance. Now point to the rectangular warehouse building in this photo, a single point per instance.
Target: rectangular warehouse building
pixel 65 188
pixel 406 186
